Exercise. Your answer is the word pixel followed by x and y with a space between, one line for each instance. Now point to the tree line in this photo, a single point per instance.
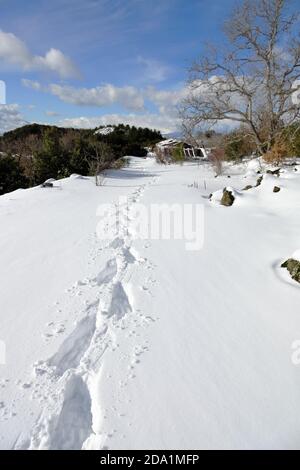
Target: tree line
pixel 34 153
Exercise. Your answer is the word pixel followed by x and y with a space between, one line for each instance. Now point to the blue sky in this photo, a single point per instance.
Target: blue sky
pixel 90 62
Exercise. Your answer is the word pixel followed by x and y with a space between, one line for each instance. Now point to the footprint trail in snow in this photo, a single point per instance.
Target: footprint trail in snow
pixel 72 414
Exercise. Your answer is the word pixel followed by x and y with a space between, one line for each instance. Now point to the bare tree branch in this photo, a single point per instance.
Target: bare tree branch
pixel 254 81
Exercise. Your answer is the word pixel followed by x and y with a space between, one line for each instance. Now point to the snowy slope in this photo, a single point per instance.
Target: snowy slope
pixel 105 130
pixel 130 343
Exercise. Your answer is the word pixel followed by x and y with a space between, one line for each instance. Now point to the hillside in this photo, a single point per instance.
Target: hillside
pixel 26 139
pixel 34 153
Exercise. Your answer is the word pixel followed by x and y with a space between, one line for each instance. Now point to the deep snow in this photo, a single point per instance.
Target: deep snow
pixel 141 343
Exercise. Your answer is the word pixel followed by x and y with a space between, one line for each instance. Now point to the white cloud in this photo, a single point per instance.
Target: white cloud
pixel 56 61
pixel 167 101
pixel 166 119
pixel 105 95
pixel 165 124
pixel 32 84
pixel 15 52
pixel 10 117
pixel 131 98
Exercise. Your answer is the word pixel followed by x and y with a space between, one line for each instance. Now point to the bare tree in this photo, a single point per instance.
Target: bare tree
pixel 99 156
pixel 252 82
pixel 216 157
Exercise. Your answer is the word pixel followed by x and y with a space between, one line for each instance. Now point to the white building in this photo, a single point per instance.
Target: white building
pixel 166 147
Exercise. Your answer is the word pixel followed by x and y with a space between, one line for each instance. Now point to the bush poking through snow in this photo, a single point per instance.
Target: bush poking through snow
pixel 228 198
pixel 278 152
pixel 120 163
pixel 217 157
pixel 293 267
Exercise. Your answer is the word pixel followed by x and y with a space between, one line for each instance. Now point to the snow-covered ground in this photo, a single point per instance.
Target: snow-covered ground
pixel 134 344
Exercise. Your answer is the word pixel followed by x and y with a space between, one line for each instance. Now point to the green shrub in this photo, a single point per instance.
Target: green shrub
pixel 178 154
pixel 135 150
pixel 292 137
pixel 11 175
pixel 238 145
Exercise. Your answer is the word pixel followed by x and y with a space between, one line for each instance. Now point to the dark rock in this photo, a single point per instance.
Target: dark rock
pixel 227 198
pixel 274 172
pixel 246 188
pixel 259 181
pixel 276 189
pixel 47 185
pixel 293 267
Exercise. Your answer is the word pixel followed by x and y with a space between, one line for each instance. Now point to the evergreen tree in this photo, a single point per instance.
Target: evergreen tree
pixel 11 175
pixel 50 162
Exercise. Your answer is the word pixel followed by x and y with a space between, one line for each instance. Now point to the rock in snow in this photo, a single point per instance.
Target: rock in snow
pixel 293 267
pixel 227 198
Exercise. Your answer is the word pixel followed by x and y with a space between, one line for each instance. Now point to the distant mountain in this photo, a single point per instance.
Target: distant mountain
pixel 173 135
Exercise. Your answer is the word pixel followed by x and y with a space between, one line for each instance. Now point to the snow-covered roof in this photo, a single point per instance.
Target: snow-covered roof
pixel 168 143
